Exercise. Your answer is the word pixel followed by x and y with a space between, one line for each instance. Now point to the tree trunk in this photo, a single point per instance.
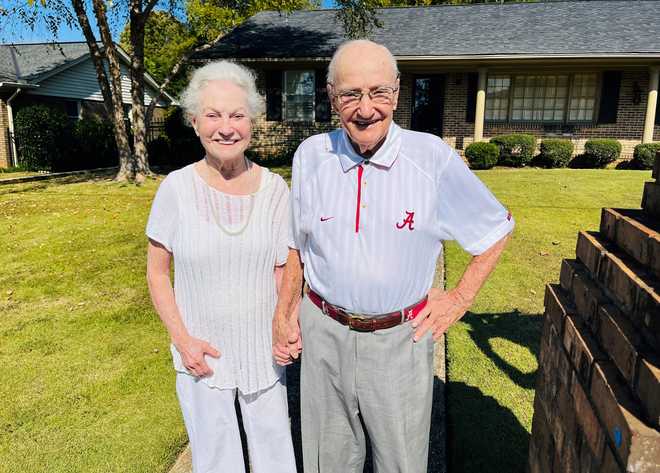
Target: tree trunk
pixel 126 168
pixel 112 101
pixel 137 24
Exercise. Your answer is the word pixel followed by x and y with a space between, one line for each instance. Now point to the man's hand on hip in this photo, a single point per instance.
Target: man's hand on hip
pixel 442 310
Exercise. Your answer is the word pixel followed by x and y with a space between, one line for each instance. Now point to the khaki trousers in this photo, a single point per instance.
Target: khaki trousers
pixel 381 381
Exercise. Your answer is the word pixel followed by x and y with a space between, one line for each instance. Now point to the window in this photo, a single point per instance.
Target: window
pixel 583 98
pixel 298 96
pixel 539 98
pixel 556 98
pixel 497 98
pixel 72 109
pixel 299 92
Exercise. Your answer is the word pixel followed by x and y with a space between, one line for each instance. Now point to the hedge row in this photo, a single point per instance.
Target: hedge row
pixel 48 140
pixel 517 150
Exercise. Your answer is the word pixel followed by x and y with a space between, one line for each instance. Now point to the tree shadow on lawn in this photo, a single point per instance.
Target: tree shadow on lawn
pixel 34 186
pixel 437 440
pixel 483 435
pixel 517 327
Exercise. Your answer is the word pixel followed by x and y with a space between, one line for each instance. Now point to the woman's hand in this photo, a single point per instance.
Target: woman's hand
pixel 287 343
pixel 192 352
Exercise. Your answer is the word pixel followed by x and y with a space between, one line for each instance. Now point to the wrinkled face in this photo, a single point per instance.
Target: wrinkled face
pixel 223 123
pixel 366 120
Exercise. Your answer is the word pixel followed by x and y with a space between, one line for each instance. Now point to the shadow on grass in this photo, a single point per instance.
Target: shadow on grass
pixel 521 329
pixel 33 186
pixel 484 436
pixel 437 440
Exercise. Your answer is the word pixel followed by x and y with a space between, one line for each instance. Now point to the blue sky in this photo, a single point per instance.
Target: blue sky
pixel 41 34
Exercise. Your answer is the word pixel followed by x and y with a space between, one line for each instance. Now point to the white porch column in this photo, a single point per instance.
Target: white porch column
pixel 651 104
pixel 481 106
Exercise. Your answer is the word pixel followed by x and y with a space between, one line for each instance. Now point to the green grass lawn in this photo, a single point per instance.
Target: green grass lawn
pixel 492 352
pixel 87 379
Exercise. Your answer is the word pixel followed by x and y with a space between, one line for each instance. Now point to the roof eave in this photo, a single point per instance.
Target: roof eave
pixel 18 85
pixel 466 57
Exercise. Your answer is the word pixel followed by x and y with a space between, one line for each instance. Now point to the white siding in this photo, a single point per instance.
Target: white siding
pixel 79 82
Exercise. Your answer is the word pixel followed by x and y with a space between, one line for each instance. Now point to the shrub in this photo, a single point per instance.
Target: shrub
pixel 95 146
pixel 482 155
pixel 185 147
pixel 555 152
pixel 516 149
pixel 43 136
pixel 158 151
pixel 600 152
pixel 644 156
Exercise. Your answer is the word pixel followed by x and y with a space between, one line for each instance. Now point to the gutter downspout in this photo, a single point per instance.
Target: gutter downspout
pixel 10 116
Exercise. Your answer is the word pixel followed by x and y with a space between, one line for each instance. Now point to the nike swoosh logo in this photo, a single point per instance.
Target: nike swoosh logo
pixel 325 219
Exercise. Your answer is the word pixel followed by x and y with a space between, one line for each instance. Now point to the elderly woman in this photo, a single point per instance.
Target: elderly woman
pixel 223 220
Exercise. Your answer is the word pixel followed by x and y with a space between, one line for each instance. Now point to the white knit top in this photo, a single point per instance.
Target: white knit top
pixel 225 248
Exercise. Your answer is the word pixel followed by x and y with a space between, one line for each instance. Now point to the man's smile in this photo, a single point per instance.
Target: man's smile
pixel 363 124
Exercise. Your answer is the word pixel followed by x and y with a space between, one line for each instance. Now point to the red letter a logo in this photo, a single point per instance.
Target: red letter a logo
pixel 407 221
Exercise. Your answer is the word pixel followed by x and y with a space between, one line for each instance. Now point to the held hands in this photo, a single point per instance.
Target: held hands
pixel 442 310
pixel 287 342
pixel 192 352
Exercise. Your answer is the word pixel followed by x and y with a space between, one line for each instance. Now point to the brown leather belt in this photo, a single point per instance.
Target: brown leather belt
pixel 360 323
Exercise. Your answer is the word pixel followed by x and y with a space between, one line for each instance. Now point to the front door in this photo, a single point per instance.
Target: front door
pixel 428 104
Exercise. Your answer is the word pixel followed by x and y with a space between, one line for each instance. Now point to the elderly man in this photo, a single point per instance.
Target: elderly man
pixel 371 204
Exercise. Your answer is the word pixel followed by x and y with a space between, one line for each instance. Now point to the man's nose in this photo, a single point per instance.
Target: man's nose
pixel 365 106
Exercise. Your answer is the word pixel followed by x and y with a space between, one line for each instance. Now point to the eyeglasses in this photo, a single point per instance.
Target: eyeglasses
pixel 351 98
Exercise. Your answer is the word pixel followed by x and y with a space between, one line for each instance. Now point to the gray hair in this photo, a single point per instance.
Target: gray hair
pixel 221 70
pixel 332 68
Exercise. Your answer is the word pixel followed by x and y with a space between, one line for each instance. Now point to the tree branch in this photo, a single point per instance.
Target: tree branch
pixel 148 7
pixel 173 72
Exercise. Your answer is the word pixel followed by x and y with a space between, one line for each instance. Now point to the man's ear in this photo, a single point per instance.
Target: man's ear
pixel 328 88
pixel 395 99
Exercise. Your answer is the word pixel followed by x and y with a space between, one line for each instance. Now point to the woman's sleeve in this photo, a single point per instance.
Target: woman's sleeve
pixel 162 223
pixel 468 211
pixel 281 221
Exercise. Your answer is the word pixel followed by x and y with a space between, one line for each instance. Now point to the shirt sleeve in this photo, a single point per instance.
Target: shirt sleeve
pixel 296 235
pixel 281 225
pixel 162 223
pixel 468 212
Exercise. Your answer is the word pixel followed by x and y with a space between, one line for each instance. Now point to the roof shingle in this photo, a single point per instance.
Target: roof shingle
pixel 583 28
pixel 26 62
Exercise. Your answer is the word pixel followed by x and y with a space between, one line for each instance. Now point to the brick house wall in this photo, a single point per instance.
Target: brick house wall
pixel 274 138
pixel 5 151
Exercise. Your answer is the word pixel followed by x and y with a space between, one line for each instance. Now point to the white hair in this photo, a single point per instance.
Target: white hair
pixel 221 70
pixel 332 67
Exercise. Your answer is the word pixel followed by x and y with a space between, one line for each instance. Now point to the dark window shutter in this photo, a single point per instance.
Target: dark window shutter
pixel 321 101
pixel 657 113
pixel 471 105
pixel 274 95
pixel 609 96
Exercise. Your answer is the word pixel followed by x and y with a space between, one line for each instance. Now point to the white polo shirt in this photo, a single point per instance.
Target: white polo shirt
pixel 370 233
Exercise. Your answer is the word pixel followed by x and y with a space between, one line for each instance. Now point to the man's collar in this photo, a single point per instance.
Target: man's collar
pixel 385 156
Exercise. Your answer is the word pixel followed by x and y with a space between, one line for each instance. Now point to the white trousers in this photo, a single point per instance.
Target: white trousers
pixel 212 426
